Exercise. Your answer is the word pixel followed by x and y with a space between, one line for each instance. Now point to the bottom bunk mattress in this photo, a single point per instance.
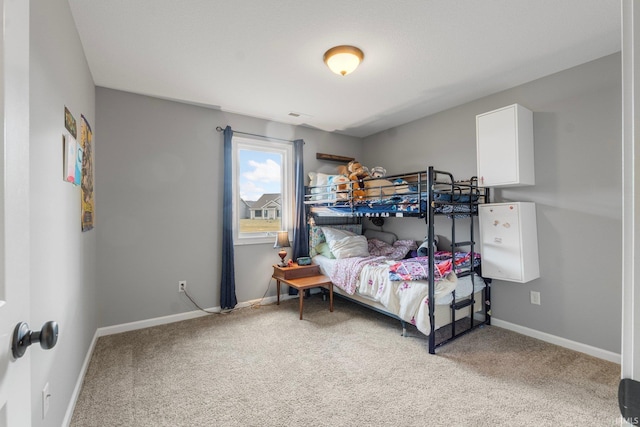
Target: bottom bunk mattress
pixel 406 300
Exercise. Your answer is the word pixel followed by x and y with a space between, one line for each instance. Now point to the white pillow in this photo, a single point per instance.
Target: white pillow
pixel 323 182
pixel 331 234
pixel 350 246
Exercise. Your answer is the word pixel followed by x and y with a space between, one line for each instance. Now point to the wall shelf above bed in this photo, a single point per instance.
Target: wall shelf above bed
pixel 334 158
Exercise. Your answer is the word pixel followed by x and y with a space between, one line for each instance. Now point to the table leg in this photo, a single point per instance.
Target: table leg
pixel 301 294
pixel 331 297
pixel 278 292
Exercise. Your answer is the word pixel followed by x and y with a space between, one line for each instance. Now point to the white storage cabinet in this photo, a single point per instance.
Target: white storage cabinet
pixel 509 241
pixel 504 143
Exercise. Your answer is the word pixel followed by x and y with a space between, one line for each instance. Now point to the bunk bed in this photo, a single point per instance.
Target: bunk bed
pixel 430 291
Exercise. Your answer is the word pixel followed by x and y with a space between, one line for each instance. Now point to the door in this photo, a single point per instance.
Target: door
pixel 15 380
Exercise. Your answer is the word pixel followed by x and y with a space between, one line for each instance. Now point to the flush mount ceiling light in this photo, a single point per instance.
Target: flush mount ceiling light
pixel 343 60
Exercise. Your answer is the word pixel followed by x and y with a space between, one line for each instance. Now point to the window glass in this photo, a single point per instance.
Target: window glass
pixel 262 189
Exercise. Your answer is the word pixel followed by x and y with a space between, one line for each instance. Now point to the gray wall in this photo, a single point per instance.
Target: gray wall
pixel 63 286
pixel 158 179
pixel 578 194
pixel 159 167
pixel 159 170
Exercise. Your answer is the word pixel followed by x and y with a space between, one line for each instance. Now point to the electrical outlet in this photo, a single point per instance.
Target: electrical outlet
pixel 182 285
pixel 46 397
pixel 535 297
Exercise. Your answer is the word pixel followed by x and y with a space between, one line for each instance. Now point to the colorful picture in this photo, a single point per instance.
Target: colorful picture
pixel 88 205
pixel 70 122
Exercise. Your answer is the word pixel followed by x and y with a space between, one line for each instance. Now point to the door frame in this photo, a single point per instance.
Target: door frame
pixel 630 351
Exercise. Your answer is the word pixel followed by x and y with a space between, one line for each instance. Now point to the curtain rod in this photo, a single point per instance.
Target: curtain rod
pixel 220 129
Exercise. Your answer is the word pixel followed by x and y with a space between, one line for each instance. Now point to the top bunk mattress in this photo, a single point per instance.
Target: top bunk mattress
pixel 399 195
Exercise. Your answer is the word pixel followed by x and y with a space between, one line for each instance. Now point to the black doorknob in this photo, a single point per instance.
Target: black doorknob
pixel 23 337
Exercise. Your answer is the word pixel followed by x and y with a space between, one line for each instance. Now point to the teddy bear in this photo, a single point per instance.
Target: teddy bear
pixel 341 184
pixel 378 172
pixel 357 174
pixel 377 186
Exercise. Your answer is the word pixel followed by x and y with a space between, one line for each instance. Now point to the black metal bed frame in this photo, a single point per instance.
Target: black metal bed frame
pixel 447 187
pixel 482 194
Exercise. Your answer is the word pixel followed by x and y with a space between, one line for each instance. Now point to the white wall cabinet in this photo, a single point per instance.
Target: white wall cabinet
pixel 509 241
pixel 504 143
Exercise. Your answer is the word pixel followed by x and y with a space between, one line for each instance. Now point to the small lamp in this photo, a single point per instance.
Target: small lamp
pixel 282 242
pixel 343 59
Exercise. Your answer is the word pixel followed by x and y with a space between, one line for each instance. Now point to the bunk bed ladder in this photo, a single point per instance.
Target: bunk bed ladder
pixel 471 211
pixel 431 238
pixel 487 288
pixel 453 258
pixel 470 244
pixel 469 302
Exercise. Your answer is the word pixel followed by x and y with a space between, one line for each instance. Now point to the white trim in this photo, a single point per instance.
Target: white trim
pixel 286 194
pixel 630 190
pixel 132 326
pixel 125 327
pixel 76 390
pixel 148 323
pixel 562 342
pixel 157 321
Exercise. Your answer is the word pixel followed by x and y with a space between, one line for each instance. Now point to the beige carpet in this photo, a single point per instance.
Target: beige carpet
pixel 264 367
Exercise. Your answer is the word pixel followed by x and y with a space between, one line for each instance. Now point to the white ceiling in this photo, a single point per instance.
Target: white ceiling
pixel 263 58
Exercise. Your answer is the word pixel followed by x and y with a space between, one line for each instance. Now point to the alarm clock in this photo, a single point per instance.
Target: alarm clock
pixel 304 260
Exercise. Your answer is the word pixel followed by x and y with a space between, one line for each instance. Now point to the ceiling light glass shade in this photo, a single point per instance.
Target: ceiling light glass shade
pixel 343 60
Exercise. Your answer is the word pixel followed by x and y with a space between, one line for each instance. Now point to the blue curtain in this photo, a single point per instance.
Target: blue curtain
pixel 300 234
pixel 228 298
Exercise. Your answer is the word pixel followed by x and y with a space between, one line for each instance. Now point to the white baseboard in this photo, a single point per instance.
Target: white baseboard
pixel 76 390
pixel 562 342
pixel 125 327
pixel 132 326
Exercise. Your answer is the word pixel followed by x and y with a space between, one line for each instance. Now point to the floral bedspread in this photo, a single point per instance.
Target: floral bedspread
pixel 418 268
pixel 347 271
pixel 409 300
pixel 462 259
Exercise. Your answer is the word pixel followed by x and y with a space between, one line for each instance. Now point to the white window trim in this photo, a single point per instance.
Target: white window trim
pixel 286 150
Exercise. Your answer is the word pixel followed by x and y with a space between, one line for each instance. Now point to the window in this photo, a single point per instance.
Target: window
pixel 263 188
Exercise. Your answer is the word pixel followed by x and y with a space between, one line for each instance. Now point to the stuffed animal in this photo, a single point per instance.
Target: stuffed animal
pixel 378 172
pixel 357 174
pixel 342 185
pixel 378 187
pixel 357 171
pixel 423 249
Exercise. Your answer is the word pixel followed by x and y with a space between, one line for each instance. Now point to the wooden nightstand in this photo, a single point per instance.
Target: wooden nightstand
pixel 302 277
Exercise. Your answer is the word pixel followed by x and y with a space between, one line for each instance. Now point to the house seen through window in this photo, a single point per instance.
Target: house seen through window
pixel 262 184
